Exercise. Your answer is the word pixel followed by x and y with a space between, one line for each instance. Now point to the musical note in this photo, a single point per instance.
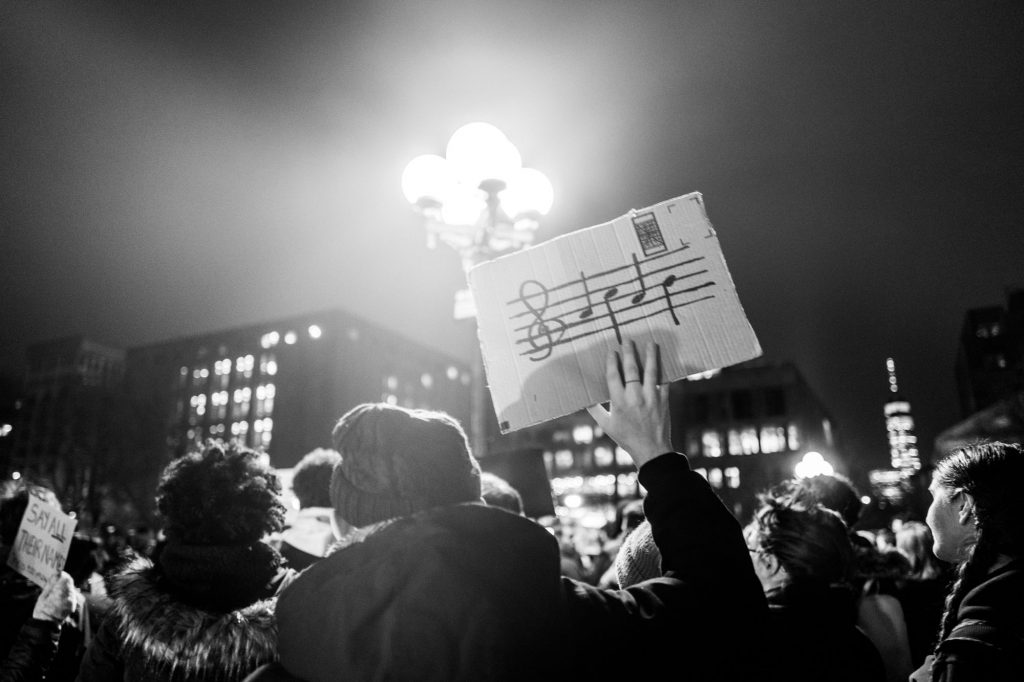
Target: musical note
pixel 551 331
pixel 666 284
pixel 608 296
pixel 640 278
pixel 564 313
pixel 589 310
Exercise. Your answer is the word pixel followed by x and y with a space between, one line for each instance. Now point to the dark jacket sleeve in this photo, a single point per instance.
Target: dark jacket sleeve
pixel 102 661
pixel 709 587
pixel 32 653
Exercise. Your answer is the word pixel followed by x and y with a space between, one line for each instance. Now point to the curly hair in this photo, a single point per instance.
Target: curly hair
pixel 832 491
pixel 311 481
pixel 809 540
pixel 223 495
pixel 988 472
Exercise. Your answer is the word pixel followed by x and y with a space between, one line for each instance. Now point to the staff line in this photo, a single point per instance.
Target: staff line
pixel 550 346
pixel 628 295
pixel 684 247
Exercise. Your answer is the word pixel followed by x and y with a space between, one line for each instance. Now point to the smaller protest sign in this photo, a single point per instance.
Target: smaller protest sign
pixel 44 537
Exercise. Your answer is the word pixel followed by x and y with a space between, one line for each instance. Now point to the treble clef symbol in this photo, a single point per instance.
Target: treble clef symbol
pixel 543 335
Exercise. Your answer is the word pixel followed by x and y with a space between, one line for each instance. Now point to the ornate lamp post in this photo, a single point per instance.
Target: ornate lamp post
pixel 480 201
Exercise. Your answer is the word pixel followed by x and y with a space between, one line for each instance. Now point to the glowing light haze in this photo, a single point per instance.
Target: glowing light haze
pixel 177 167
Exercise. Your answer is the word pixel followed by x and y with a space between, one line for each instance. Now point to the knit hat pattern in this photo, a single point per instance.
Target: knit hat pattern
pixel 638 558
pixel 396 462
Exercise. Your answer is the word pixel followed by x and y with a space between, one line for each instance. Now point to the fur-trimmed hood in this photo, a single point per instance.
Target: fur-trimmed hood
pixel 171 639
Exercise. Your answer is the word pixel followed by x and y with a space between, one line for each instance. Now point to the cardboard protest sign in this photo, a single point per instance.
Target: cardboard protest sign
pixel 44 537
pixel 548 315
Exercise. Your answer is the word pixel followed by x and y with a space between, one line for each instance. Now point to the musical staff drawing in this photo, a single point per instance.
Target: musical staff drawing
pixel 565 312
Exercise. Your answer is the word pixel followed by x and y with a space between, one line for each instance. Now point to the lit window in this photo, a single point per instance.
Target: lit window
pixel 563 459
pixel 452 373
pixel 995 329
pixel 391 382
pixel 583 433
pixel 290 338
pixel 735 444
pixel 715 478
pixel 773 439
pixel 732 477
pixel 184 371
pixel 711 444
pixel 794 437
pixel 626 484
pixel 391 399
pixel 315 332
pixel 203 373
pixel 426 381
pixel 603 456
pixel 270 340
pixel 748 441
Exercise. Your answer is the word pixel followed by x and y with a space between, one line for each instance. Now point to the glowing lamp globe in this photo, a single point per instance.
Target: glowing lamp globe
pixel 528 191
pixel 479 151
pixel 428 176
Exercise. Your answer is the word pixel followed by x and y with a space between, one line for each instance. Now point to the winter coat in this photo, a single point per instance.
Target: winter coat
pixel 813 637
pixel 200 613
pixel 32 652
pixel 987 642
pixel 470 592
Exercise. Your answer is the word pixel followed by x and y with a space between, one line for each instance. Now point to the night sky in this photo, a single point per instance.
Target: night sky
pixel 174 167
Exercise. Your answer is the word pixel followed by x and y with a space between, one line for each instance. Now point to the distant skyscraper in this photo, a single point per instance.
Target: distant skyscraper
pixel 900 426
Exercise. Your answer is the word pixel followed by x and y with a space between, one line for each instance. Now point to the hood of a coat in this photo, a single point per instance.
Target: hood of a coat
pixel 989 600
pixel 173 638
pixel 453 593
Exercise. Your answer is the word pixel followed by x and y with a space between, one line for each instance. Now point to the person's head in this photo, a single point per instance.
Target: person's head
pixel 311 481
pixel 974 494
pixel 975 515
pixel 223 495
pixel 14 502
pixel 832 491
pixel 396 461
pixel 914 541
pixel 638 558
pixel 794 543
pixel 497 492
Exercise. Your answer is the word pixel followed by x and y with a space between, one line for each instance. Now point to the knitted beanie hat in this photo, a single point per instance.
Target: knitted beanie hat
pixel 396 461
pixel 638 558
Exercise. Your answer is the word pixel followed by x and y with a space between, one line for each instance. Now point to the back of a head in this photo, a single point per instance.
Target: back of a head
pixel 396 461
pixel 810 541
pixel 311 481
pixel 638 558
pixel 832 491
pixel 497 492
pixel 223 495
pixel 990 473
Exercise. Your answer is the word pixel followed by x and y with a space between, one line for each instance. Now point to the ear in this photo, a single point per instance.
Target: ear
pixel 769 562
pixel 966 514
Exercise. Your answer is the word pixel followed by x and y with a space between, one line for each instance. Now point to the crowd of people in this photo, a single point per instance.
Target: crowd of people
pixel 405 561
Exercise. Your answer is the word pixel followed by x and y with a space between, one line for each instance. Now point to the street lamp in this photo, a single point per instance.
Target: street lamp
pixel 479 200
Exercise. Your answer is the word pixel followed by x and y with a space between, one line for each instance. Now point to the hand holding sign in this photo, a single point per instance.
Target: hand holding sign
pixel 638 416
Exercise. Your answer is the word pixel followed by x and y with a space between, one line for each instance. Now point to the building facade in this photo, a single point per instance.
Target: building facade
pixel 64 428
pixel 990 355
pixel 280 386
pixel 744 428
